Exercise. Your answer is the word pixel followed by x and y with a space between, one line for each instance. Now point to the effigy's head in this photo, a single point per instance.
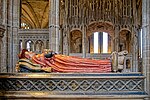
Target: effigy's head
pixel 25 54
pixel 48 53
pixel 22 53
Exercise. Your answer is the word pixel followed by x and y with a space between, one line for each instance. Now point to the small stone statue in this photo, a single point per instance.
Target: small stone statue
pixel 118 60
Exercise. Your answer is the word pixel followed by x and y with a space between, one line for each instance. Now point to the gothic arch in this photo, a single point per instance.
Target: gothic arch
pixel 75 41
pixel 75 29
pixel 100 26
pixel 29 44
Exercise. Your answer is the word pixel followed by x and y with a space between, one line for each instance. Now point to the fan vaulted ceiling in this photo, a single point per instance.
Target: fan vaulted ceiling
pixel 35 13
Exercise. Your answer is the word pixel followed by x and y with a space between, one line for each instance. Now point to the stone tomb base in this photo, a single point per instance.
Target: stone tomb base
pixel 72 86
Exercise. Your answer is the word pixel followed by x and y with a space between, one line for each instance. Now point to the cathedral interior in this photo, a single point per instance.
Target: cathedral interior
pixel 85 28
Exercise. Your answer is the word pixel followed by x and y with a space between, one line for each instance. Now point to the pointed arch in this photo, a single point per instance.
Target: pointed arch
pixel 39 46
pixel 29 45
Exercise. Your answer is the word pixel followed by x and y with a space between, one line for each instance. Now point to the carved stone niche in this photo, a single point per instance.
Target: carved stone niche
pixel 125 40
pixel 75 41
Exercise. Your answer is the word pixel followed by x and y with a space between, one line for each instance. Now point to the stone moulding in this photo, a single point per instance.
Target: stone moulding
pixel 72 85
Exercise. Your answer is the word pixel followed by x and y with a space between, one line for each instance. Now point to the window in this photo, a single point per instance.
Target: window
pixel 105 42
pixel 100 42
pixel 96 42
pixel 20 45
pixel 29 45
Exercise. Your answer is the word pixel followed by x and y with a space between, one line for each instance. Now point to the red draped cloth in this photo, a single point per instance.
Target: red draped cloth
pixel 62 63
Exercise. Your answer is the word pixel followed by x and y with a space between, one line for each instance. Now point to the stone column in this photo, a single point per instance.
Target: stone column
pixel 5 38
pixel 51 25
pixel 15 26
pixel 11 42
pixel 23 44
pixel 54 25
pixel 116 39
pixel 65 41
pixel 135 39
pixel 1 36
pixel 1 11
pixel 57 26
pixel 65 27
pixel 112 44
pixel 84 42
pixel 61 41
pixel 45 44
pixel 135 50
pixel 116 30
pixel 146 43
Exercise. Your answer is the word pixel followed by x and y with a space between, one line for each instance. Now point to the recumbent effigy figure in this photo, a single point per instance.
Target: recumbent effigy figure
pixel 49 61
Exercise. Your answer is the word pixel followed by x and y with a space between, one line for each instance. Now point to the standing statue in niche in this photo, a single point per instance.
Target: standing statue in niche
pixel 39 46
pixel 76 42
pixel 78 45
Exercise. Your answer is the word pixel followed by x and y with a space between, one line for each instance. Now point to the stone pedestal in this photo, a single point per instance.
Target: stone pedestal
pixel 66 86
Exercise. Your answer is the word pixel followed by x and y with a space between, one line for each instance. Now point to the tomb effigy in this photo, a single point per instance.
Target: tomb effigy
pixel 52 62
pixel 49 61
